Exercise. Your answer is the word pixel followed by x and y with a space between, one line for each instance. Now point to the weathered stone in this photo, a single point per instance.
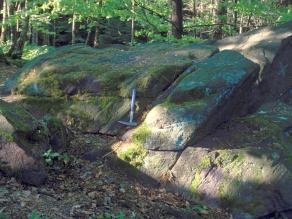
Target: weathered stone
pixel 15 161
pixel 157 164
pixel 251 175
pixel 185 168
pixel 277 80
pixel 23 140
pixel 201 101
pixel 99 81
pixel 259 45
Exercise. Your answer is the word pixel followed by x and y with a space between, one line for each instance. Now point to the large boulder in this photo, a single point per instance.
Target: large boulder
pixel 208 96
pixel 94 85
pixel 23 140
pixel 260 45
pixel 245 165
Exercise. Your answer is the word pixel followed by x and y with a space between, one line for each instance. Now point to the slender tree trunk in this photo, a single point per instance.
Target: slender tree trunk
pixel 88 37
pixel 54 37
pixel 3 29
pixel 18 48
pixel 194 14
pixel 133 23
pixel 241 24
pixel 176 18
pixel 221 14
pixel 73 29
pixel 96 43
pixel 11 8
pixel 235 16
pixel 17 21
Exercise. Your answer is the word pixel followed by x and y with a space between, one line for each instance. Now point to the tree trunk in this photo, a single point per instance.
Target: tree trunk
pixel 3 29
pixel 54 37
pixel 176 18
pixel 221 14
pixel 235 16
pixel 18 48
pixel 194 14
pixel 11 8
pixel 73 29
pixel 241 25
pixel 133 23
pixel 96 43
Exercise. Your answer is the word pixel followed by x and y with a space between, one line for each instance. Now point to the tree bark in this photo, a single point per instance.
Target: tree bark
pixel 194 8
pixel 11 8
pixel 96 43
pixel 133 23
pixel 3 29
pixel 18 48
pixel 73 29
pixel 221 13
pixel 235 16
pixel 176 18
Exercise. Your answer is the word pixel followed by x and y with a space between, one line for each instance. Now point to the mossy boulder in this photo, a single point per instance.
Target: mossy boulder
pixel 24 139
pixel 245 180
pixel 79 69
pixel 203 99
pixel 245 165
pixel 95 84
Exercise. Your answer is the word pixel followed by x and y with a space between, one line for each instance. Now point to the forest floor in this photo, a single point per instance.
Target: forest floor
pixel 83 189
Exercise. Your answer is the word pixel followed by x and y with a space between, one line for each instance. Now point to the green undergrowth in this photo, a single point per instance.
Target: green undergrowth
pixel 6 136
pixel 134 153
pixel 141 134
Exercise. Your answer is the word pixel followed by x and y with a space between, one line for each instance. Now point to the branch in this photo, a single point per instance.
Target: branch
pixel 154 12
pixel 147 20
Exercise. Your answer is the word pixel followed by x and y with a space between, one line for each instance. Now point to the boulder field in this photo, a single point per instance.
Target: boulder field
pixel 214 119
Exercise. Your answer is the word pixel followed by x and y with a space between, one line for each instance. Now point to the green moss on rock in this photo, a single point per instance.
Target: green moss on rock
pixel 18 117
pixel 6 136
pixel 141 134
pixel 133 154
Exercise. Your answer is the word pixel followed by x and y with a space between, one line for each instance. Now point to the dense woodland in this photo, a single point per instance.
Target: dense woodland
pixel 101 22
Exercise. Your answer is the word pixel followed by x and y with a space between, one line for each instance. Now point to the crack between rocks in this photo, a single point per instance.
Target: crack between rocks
pixel 167 90
pixel 101 134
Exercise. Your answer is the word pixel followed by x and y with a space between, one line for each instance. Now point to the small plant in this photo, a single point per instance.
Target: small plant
pixel 51 156
pixel 35 215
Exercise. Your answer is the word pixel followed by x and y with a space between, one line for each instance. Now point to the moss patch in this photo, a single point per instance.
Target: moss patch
pixel 18 117
pixel 133 154
pixel 195 185
pixel 6 136
pixel 205 162
pixel 141 134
